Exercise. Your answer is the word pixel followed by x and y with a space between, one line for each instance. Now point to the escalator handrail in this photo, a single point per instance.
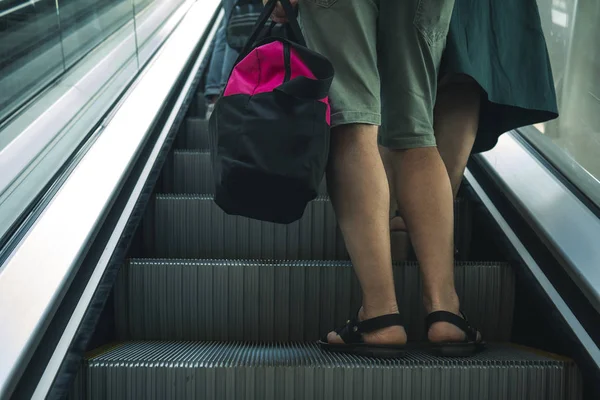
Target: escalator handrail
pixel 588 345
pixel 39 270
pixel 568 227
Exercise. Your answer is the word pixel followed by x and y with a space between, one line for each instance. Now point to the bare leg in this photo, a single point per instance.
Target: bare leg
pixel 428 208
pixel 360 195
pixel 425 200
pixel 456 120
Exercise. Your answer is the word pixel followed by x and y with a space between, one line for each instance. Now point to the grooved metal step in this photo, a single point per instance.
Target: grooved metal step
pixel 193 173
pixel 204 370
pixel 198 106
pixel 195 227
pixel 191 226
pixel 193 135
pixel 265 301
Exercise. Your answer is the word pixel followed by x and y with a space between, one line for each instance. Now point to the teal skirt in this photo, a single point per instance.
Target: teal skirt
pixel 500 44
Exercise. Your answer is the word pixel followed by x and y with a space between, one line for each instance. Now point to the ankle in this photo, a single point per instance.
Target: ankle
pixel 447 301
pixel 370 311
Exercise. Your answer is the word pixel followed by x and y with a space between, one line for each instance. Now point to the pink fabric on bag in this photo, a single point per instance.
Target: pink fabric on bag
pixel 263 70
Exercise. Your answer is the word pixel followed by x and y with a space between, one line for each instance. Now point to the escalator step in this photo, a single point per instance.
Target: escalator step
pixel 286 300
pixel 198 370
pixel 192 176
pixel 192 226
pixel 195 227
pixel 193 173
pixel 198 106
pixel 193 134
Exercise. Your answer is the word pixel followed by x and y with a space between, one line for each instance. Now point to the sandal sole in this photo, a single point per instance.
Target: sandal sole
pixel 457 349
pixel 364 350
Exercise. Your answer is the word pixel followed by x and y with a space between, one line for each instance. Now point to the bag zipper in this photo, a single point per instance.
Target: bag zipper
pixel 287 60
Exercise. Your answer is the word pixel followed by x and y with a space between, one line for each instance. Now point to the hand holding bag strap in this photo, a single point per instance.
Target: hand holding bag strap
pixel 293 24
pixel 259 32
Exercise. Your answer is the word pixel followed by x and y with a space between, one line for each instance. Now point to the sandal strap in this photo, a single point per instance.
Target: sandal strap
pixel 353 330
pixel 461 323
pixel 381 322
pixel 349 332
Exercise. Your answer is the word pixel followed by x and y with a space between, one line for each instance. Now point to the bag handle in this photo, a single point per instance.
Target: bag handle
pixel 258 30
pixel 316 88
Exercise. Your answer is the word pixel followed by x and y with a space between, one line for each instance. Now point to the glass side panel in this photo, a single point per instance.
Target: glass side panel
pixel 150 17
pixel 87 23
pixel 30 50
pixel 572 32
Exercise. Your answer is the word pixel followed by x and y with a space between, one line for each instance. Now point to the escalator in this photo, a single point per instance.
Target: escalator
pixel 216 306
pixel 131 264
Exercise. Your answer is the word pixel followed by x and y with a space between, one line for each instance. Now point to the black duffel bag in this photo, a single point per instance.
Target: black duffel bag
pixel 269 132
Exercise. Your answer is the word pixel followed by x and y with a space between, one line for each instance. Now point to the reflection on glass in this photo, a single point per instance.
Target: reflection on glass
pixel 150 16
pixel 41 39
pixel 572 32
pixel 30 50
pixel 87 23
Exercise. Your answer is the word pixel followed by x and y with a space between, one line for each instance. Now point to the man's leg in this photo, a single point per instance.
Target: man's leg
pixel 230 55
pixel 456 120
pixel 345 32
pixel 360 195
pixel 214 78
pixel 409 63
pixel 222 59
pixel 425 200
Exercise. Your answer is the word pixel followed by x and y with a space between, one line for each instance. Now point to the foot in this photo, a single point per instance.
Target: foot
pixel 397 224
pixel 444 331
pixel 394 335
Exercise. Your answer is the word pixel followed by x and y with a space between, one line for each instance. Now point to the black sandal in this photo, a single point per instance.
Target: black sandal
pixel 352 335
pixel 466 348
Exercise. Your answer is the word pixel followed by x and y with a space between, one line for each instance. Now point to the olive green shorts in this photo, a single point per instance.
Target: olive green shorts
pixel 386 55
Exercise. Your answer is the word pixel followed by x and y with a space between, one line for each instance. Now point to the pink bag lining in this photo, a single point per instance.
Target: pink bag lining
pixel 263 70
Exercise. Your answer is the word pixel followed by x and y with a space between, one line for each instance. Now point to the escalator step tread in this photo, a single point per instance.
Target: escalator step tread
pixel 195 227
pixel 198 106
pixel 192 173
pixel 194 134
pixel 285 300
pixel 188 370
